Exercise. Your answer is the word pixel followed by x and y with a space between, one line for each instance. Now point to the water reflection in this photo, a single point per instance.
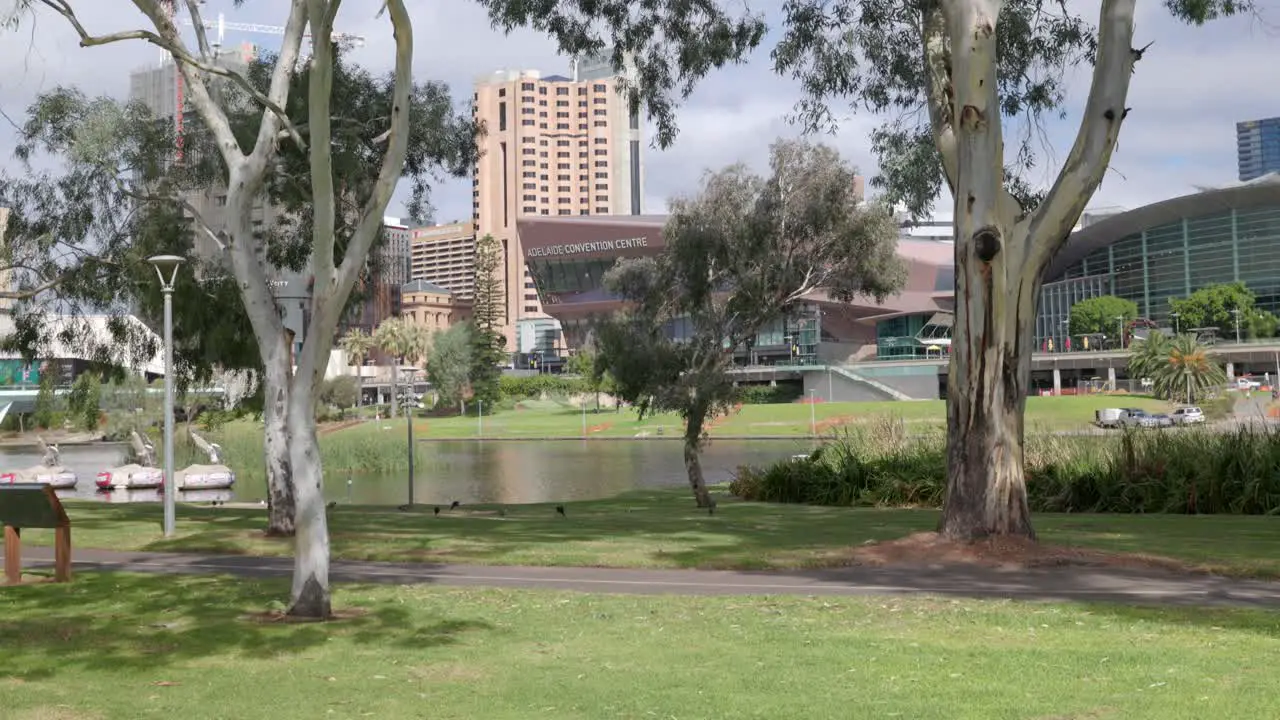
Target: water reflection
pixel 491 471
pixel 141 495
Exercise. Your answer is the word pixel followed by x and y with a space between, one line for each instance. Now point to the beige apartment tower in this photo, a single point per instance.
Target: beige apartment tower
pixel 445 255
pixel 555 145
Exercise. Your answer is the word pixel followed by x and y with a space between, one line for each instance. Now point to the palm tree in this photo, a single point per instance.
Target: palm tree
pixel 1147 357
pixel 404 341
pixel 1189 369
pixel 357 344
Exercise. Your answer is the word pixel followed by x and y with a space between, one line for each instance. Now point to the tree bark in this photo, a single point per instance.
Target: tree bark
pixel 310 596
pixel 281 507
pixel 692 457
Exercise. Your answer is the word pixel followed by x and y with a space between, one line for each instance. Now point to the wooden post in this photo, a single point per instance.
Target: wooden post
pixel 62 554
pixel 12 555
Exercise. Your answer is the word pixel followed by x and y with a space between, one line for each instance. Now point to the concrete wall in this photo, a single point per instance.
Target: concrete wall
pixel 836 387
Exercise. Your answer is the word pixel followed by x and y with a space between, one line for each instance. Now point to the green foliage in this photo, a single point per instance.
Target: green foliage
pixel 743 251
pixel 449 363
pixel 769 394
pixel 1179 367
pixel 84 400
pixel 532 387
pixel 865 53
pixel 341 392
pixel 1218 305
pixel 46 399
pixel 488 313
pixel 1184 471
pixel 1097 315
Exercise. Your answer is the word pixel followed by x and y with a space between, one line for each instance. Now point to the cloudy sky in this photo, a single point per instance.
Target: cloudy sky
pixel 1187 94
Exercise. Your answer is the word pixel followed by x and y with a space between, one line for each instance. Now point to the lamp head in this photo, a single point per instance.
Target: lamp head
pixel 166 269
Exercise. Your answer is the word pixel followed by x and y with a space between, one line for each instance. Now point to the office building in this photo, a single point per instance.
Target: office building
pixel 433 307
pixel 445 255
pixel 555 146
pixel 898 348
pixel 1258 148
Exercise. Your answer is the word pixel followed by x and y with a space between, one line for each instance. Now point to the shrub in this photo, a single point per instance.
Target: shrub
pixel 769 394
pixel 1179 471
pixel 523 387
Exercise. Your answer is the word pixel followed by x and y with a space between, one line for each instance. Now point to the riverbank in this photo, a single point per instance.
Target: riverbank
pixel 661 529
pixel 125 645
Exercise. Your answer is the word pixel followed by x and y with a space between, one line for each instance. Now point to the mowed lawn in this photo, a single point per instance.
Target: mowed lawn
pixel 659 529
pixel 542 419
pixel 126 646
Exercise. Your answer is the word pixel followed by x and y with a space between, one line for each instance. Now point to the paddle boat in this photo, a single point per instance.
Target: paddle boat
pixel 49 472
pixel 133 476
pixel 205 476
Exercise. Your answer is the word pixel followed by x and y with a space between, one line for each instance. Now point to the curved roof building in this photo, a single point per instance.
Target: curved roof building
pixel 1165 250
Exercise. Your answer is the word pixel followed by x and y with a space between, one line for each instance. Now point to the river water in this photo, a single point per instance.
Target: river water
pixel 489 471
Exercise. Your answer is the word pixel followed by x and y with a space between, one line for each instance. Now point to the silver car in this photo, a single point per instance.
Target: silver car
pixel 1188 415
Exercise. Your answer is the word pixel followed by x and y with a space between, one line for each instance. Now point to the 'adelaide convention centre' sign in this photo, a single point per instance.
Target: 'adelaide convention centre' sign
pixel 589 247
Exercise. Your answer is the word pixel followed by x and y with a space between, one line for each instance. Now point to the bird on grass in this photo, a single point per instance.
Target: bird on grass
pixel 404 508
pixel 454 505
pixel 711 509
pixel 436 510
pixel 332 504
pixel 502 512
pixel 560 511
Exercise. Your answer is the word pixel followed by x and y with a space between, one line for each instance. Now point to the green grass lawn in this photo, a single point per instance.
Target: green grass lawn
pixel 126 646
pixel 656 529
pixel 552 420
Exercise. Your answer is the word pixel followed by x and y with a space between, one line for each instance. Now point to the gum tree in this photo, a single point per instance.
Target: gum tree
pixel 952 73
pixel 743 251
pixel 290 393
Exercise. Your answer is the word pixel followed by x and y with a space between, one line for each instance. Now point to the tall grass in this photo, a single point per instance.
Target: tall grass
pixel 1170 471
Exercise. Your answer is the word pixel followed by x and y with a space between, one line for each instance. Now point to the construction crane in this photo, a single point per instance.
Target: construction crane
pixel 221 26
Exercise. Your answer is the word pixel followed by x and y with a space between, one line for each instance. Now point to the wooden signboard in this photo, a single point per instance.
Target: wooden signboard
pixel 33 505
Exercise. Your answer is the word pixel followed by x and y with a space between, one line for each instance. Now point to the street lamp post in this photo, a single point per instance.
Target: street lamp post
pixel 1120 327
pixel 408 416
pixel 1187 373
pixel 480 419
pixel 1236 313
pixel 1175 317
pixel 813 414
pixel 168 265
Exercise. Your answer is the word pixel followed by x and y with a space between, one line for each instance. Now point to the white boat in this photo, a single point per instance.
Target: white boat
pixel 49 472
pixel 205 476
pixel 134 476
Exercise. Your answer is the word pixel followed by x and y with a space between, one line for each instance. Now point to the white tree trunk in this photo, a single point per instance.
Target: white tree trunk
pixel 310 593
pixel 281 507
pixel 1001 252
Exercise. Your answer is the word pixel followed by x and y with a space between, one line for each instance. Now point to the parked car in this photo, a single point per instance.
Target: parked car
pixel 1134 417
pixel 1108 417
pixel 1187 415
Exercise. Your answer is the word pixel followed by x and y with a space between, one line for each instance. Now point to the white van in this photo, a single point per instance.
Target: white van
pixel 1108 417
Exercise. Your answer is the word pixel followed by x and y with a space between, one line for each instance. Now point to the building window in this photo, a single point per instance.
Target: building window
pixel 562 143
pixel 526 111
pixel 502 92
pixel 563 178
pixel 601 151
pixel 528 151
pixel 601 198
pixel 562 103
pixel 584 212
pixel 528 140
pixel 601 141
pixel 530 198
pixel 600 87
pixel 600 111
pixel 542 90
pixel 526 98
pixel 564 166
pixel 562 126
pixel 502 116
pixel 562 189
pixel 599 100
pixel 529 210
pixel 602 186
pixel 602 163
pixel 600 123
pixel 529 163
pixel 585 200
pixel 602 211
pixel 526 86
pixel 526 122
pixel 562 90
pixel 530 186
pixel 563 200
pixel 562 154
pixel 545 211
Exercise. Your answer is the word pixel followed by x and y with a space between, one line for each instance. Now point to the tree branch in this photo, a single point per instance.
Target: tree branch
pixel 278 92
pixel 202 37
pixel 320 87
pixel 1050 225
pixel 937 60
pixel 397 148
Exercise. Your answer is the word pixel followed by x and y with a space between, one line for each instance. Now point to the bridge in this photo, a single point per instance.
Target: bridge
pixel 921 378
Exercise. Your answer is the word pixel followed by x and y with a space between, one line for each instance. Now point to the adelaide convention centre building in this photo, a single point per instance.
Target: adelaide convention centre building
pixel 898 348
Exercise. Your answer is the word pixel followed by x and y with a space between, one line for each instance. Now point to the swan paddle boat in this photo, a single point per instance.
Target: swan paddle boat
pixel 205 476
pixel 134 476
pixel 49 472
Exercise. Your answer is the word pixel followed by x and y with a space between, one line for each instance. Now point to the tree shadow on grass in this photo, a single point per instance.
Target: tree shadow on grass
pixel 122 621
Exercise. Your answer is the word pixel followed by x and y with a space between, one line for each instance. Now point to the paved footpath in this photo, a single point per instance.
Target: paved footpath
pixel 1094 584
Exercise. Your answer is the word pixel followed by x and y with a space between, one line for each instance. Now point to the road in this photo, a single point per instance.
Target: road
pixel 1080 584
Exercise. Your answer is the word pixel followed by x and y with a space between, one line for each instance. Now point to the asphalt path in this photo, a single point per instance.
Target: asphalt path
pixel 1071 583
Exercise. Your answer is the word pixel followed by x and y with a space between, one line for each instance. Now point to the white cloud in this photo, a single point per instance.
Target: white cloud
pixel 1188 91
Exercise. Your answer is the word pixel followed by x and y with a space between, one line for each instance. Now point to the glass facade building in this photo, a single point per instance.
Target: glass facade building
pixel 1258 147
pixel 1174 259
